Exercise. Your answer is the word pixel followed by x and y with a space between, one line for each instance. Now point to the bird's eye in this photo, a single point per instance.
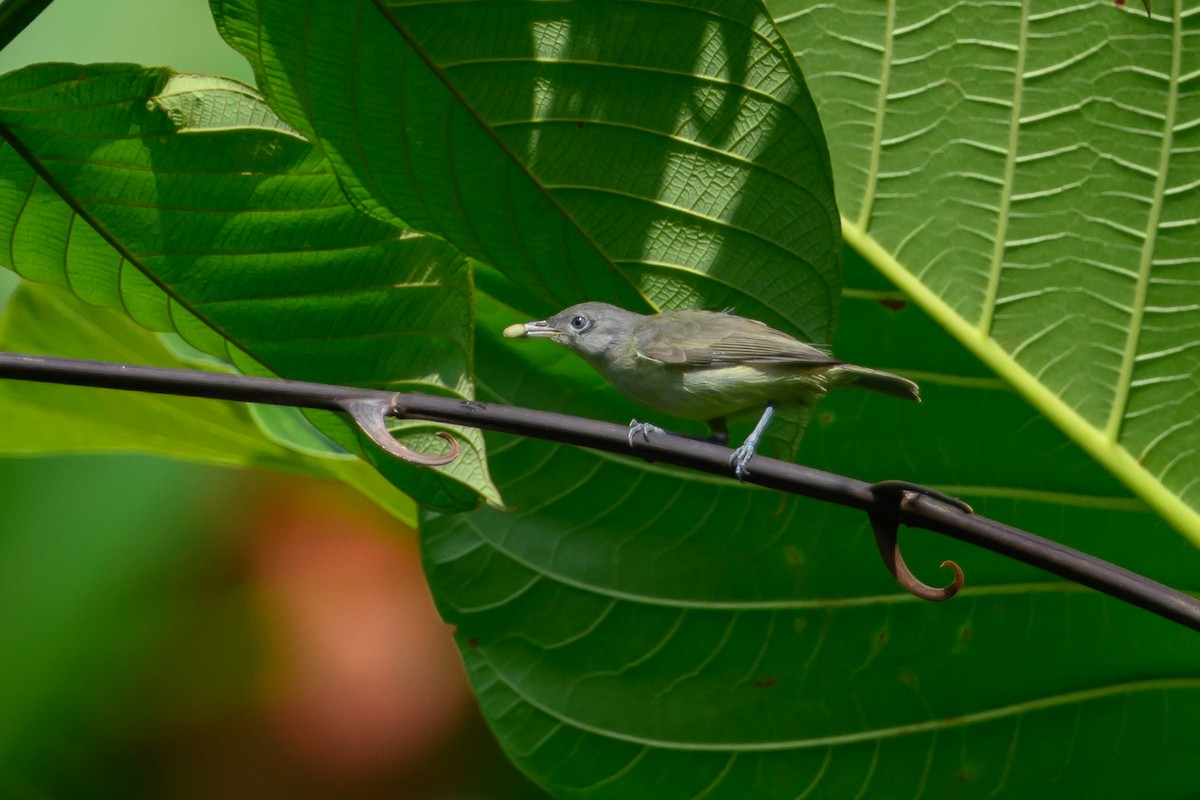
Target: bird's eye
pixel 579 322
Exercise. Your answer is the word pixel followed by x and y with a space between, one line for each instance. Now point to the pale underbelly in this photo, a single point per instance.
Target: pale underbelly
pixel 705 394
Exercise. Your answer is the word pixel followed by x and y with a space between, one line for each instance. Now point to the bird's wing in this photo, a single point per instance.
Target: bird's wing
pixel 706 338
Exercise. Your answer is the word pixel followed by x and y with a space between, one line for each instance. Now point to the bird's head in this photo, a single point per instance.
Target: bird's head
pixel 596 331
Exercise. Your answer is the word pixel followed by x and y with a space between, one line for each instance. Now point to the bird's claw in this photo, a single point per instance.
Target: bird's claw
pixel 643 429
pixel 739 461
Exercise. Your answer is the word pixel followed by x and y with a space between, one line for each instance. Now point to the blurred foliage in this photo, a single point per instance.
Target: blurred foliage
pixel 102 612
pixel 152 661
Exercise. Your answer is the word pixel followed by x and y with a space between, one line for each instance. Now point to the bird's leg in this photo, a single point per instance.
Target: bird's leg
pixel 643 429
pixel 741 456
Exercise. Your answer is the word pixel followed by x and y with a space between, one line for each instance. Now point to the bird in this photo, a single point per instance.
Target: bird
pixel 704 365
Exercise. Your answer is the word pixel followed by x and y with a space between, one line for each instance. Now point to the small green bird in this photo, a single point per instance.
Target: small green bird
pixel 704 365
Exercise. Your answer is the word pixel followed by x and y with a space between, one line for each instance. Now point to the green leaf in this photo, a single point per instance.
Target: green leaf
pixel 634 631
pixel 647 154
pixel 185 202
pixel 1031 177
pixel 514 131
pixel 44 419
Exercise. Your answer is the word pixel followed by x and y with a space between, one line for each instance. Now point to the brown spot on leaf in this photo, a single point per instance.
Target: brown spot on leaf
pixel 894 305
pixel 579 124
pixel 472 643
pixel 825 418
pixel 765 683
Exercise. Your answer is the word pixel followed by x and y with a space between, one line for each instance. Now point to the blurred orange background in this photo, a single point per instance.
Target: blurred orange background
pixel 177 631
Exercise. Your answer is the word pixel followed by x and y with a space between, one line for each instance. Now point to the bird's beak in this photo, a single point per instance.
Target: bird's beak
pixel 531 330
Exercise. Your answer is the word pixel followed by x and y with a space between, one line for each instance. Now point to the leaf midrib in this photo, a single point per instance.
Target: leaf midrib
pixel 1119 461
pixel 868 201
pixel 999 247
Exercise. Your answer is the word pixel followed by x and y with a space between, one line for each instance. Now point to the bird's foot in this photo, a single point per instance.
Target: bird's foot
pixel 741 456
pixel 741 459
pixel 643 429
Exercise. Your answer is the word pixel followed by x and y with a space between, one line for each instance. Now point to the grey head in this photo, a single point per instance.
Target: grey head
pixel 596 331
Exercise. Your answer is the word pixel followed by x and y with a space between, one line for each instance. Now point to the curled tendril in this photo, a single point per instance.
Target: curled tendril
pixel 887 529
pixel 371 418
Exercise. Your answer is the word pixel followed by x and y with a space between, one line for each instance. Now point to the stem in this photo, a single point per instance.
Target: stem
pixel 890 501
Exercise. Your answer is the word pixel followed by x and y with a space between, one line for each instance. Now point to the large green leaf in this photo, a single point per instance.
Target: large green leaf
pixel 633 631
pixel 1031 176
pixel 42 419
pixel 646 153
pixel 186 203
pixel 587 151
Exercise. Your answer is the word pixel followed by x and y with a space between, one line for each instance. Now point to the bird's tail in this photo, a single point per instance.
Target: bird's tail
pixel 874 379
